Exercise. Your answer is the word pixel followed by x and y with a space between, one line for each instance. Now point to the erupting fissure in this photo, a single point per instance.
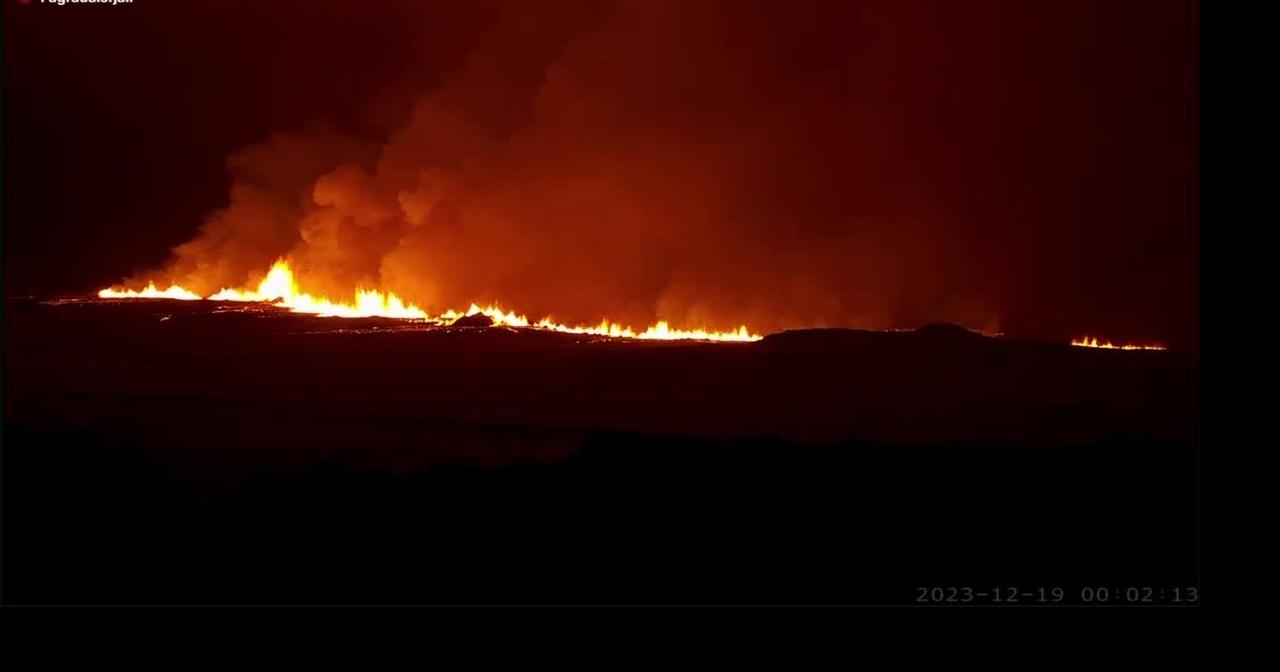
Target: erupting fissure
pixel 281 289
pixel 1088 342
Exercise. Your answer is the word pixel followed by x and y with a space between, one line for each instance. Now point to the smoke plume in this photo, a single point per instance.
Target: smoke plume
pixel 706 163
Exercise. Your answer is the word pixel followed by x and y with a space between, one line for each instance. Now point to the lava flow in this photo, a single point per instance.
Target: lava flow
pixel 1088 342
pixel 150 292
pixel 281 289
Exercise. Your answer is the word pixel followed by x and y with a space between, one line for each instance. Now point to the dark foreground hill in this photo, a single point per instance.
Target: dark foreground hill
pixel 165 452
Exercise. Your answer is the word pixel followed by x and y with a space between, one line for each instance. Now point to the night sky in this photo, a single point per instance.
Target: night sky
pixel 1022 167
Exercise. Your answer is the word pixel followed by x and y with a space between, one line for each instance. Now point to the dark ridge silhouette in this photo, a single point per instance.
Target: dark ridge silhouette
pixel 941 333
pixel 478 320
pixel 945 331
pixel 801 339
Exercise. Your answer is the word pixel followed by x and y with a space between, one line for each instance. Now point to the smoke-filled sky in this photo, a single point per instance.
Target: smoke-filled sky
pixel 1014 166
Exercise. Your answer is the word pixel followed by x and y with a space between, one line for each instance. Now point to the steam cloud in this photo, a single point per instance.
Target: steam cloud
pixel 706 163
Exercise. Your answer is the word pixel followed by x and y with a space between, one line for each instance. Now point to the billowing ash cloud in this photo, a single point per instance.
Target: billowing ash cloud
pixel 706 163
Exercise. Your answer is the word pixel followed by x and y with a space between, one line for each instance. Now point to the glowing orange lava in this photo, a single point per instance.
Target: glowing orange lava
pixel 281 289
pixel 1088 342
pixel 150 292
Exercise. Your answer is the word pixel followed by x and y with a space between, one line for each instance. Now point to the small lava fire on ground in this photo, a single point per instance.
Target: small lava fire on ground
pixel 1093 342
pixel 281 289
